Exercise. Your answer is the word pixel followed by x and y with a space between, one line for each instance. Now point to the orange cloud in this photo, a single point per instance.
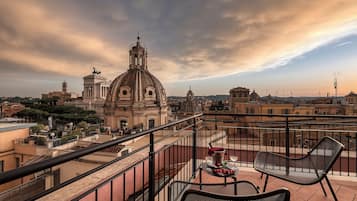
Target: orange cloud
pixel 222 38
pixel 34 26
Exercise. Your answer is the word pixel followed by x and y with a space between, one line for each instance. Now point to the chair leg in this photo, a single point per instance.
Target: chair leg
pixel 331 189
pixel 323 189
pixel 261 176
pixel 200 176
pixel 265 183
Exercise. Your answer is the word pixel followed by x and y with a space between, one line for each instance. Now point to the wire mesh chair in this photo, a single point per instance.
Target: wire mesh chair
pixel 196 195
pixel 307 170
pixel 177 188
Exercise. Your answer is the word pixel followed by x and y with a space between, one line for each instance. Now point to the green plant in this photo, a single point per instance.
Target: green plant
pixel 37 128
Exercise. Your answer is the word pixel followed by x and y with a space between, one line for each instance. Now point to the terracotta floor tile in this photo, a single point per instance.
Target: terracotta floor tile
pixel 346 190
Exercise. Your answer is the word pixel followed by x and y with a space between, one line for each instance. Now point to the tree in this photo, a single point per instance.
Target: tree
pixel 83 125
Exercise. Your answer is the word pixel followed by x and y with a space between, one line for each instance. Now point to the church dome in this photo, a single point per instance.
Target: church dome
pixel 136 87
pixel 254 96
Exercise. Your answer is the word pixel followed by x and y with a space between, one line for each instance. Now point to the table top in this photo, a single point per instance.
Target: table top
pixel 208 167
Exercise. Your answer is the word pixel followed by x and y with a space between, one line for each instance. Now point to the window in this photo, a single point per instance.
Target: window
pixel 272 142
pixel 252 110
pixel 17 162
pixel 56 177
pixel 270 111
pixel 285 111
pixel 125 92
pixel 123 124
pixel 151 123
pixel 2 166
pixel 150 93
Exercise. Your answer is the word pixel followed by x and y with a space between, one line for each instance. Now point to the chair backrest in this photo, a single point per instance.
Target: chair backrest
pixel 176 188
pixel 196 195
pixel 324 154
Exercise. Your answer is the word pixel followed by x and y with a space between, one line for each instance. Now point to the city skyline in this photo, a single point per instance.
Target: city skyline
pixel 280 48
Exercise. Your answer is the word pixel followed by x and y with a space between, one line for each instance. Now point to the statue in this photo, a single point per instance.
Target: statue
pixel 50 122
pixel 95 71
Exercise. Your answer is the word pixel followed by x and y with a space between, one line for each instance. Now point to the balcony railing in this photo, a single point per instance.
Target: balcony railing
pixel 176 154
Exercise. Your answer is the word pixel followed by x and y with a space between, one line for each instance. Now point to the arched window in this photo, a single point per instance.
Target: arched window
pixel 136 60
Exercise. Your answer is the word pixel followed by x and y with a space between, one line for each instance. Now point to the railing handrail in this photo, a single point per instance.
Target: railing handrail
pixel 48 163
pixel 291 129
pixel 278 115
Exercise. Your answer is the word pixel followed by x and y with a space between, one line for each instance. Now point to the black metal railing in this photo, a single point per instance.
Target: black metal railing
pixel 290 135
pixel 241 134
pixel 49 163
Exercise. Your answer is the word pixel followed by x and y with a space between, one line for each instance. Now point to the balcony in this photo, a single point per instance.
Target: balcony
pixel 175 151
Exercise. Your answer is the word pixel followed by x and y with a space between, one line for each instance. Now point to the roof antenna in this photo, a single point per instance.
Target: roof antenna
pixel 335 84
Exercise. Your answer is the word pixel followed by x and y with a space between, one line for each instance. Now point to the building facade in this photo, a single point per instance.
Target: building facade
pixel 11 157
pixel 61 96
pixel 136 98
pixel 190 105
pixel 95 90
pixel 351 98
pixel 238 95
pixel 95 87
pixel 8 109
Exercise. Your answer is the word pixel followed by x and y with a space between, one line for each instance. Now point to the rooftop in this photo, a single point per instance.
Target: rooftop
pixel 14 126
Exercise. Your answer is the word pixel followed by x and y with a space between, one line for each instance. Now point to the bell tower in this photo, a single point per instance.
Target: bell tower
pixel 64 87
pixel 138 56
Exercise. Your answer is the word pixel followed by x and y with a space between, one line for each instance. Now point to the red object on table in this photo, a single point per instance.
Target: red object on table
pixel 213 149
pixel 223 171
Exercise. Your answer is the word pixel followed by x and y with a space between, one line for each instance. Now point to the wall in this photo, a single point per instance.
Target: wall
pixel 7 138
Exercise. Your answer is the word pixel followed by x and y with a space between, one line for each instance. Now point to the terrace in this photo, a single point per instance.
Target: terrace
pixel 176 150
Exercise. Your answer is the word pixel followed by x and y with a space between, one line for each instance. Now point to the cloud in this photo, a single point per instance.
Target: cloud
pixel 30 36
pixel 345 43
pixel 186 39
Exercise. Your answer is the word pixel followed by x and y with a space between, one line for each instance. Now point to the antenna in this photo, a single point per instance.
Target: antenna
pixel 335 83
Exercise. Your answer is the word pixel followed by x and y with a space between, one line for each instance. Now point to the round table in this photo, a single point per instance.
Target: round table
pixel 208 169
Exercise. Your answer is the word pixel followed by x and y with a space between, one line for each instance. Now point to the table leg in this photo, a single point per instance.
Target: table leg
pixel 225 181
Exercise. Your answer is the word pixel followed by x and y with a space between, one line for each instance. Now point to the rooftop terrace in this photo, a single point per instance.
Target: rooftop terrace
pixel 175 151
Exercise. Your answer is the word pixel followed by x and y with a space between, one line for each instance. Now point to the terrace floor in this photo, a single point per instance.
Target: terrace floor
pixel 345 187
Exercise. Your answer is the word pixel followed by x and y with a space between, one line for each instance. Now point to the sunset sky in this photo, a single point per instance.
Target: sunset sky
pixel 276 47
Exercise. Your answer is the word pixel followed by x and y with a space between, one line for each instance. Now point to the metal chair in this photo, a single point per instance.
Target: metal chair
pixel 307 170
pixel 196 195
pixel 177 188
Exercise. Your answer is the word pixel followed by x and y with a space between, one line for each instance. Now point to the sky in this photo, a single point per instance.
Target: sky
pixel 277 47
